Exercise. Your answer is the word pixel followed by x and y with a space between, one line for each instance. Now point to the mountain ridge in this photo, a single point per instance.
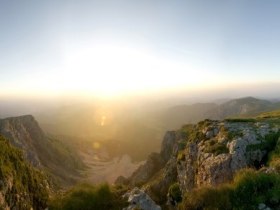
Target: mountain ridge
pixel 40 150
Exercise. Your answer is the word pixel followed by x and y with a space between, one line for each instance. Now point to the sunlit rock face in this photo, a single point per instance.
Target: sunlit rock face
pixel 214 159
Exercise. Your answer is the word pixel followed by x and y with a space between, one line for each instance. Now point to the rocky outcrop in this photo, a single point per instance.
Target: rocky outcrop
pixel 24 132
pixel 138 199
pixel 207 154
pixel 223 148
pixel 167 146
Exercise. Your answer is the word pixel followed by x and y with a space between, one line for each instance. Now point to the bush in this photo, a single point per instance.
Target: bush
pixel 260 186
pixel 209 198
pixel 175 192
pixel 88 197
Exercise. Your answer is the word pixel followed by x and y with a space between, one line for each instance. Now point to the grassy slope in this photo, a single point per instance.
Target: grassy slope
pixel 22 186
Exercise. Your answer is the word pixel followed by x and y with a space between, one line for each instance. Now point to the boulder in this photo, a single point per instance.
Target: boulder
pixel 138 199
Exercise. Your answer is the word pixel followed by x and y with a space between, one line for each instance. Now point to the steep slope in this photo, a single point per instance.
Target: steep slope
pixel 21 186
pixel 40 150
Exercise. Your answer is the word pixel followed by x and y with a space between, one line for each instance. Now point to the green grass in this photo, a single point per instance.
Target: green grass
pixel 272 114
pixel 215 147
pixel 268 144
pixel 248 189
pixel 237 120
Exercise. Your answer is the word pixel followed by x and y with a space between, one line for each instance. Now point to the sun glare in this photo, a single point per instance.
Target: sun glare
pixel 109 69
pixel 103 119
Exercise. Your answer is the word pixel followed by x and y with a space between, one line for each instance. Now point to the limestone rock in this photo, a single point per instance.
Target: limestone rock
pixel 138 199
pixel 240 149
pixel 167 145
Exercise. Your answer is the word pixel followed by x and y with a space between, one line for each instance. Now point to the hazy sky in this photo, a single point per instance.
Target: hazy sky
pixel 111 47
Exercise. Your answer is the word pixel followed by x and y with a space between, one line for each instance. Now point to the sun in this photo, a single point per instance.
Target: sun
pixel 110 69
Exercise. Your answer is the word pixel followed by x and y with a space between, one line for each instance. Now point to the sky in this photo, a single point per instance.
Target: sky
pixel 113 47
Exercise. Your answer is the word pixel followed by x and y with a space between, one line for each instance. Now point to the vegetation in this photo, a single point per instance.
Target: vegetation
pixel 182 145
pixel 89 197
pixel 241 120
pixel 248 189
pixel 268 144
pixel 215 147
pixel 186 130
pixel 274 157
pixel 20 181
pixel 181 156
pixel 175 193
pixel 271 114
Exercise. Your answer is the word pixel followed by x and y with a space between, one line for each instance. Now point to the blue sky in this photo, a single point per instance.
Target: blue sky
pixel 52 43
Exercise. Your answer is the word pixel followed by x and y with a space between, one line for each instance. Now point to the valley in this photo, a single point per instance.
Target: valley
pixel 203 154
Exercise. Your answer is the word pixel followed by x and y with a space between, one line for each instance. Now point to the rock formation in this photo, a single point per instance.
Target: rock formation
pixel 138 199
pixel 206 154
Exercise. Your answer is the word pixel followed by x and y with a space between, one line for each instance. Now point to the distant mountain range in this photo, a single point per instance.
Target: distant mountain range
pixel 176 116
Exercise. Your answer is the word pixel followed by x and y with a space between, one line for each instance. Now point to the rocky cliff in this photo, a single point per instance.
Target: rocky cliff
pixel 221 148
pixel 40 150
pixel 24 132
pixel 207 154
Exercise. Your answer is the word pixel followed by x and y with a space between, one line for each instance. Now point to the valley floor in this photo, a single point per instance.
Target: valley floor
pixel 100 168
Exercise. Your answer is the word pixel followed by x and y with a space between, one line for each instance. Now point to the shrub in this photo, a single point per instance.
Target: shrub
pixel 260 186
pixel 182 145
pixel 88 197
pixel 175 192
pixel 248 189
pixel 209 198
